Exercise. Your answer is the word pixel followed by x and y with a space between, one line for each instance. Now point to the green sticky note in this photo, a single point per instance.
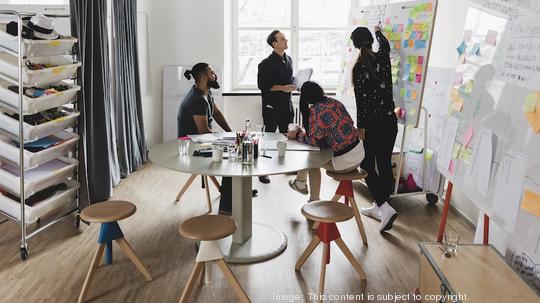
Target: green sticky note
pixel 530 103
pixel 402 92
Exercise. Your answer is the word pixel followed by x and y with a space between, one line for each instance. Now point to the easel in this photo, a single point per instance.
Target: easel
pixel 442 225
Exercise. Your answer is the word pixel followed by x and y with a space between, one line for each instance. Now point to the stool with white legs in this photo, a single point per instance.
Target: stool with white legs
pixel 209 229
pixel 327 213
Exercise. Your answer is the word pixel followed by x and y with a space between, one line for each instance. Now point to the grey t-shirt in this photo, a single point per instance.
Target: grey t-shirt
pixel 194 103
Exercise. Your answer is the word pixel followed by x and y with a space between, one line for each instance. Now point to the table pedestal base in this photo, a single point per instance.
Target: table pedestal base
pixel 265 243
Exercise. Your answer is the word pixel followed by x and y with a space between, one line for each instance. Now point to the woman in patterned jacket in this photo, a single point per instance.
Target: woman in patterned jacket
pixel 328 124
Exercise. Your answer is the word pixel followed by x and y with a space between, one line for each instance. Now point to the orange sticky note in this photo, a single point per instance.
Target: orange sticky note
pixel 531 202
pixel 458 105
pixel 397 45
pixel 413 94
pixel 429 7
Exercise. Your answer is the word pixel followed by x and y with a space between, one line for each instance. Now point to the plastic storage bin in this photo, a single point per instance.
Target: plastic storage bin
pixel 35 132
pixel 37 48
pixel 41 177
pixel 32 213
pixel 64 69
pixel 35 105
pixel 10 152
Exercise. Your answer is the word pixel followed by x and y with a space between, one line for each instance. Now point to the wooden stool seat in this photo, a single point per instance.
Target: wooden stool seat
pixel 208 227
pixel 358 174
pixel 108 211
pixel 327 211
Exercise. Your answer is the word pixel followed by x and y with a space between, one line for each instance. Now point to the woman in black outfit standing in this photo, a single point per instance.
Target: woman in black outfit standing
pixel 376 120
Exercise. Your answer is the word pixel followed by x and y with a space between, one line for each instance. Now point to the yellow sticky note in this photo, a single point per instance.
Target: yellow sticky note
pixel 530 103
pixel 465 155
pixel 429 154
pixel 531 202
pixel 456 150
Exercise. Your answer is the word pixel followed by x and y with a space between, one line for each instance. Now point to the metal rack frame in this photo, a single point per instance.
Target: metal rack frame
pixel 25 236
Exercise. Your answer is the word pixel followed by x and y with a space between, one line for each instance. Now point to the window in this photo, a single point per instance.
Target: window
pixel 315 30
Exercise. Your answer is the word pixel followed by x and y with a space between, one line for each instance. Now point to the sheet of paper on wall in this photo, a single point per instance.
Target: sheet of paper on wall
pixel 531 202
pixel 447 143
pixel 530 103
pixel 301 76
pixel 479 170
pixel 467 35
pixel 461 48
pixel 491 37
pixel 509 185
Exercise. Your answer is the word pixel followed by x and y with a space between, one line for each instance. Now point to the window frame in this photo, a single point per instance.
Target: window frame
pixel 293 42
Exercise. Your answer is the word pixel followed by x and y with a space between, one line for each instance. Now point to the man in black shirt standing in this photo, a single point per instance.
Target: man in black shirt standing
pixel 274 79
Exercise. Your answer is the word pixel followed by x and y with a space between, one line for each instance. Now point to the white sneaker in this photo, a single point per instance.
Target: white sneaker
pixel 299 186
pixel 372 211
pixel 388 215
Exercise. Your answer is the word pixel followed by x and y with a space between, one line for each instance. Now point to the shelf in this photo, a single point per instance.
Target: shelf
pixel 42 208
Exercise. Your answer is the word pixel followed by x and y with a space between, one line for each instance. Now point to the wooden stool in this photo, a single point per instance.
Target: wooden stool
pixel 205 183
pixel 108 213
pixel 208 229
pixel 345 189
pixel 328 213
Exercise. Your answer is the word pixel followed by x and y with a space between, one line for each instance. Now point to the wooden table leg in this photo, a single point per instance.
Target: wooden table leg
pixel 185 187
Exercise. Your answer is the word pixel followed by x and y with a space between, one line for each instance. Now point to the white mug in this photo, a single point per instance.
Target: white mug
pixel 293 127
pixel 217 154
pixel 281 148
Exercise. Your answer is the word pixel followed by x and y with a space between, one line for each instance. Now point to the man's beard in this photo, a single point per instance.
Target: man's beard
pixel 213 84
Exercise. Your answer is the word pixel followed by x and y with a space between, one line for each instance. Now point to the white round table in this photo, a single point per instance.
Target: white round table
pixel 252 242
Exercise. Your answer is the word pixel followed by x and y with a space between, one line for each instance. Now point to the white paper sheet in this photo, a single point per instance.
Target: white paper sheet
pixel 302 76
pixel 509 184
pixel 204 138
pixel 479 170
pixel 447 143
pixel 293 145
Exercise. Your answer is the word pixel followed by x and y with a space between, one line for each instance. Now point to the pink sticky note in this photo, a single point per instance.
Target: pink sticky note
pixel 400 28
pixel 452 167
pixel 491 37
pixel 420 60
pixel 467 137
pixel 387 21
pixel 418 78
pixel 418 35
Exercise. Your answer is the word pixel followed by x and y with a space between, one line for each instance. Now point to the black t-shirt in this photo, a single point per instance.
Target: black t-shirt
pixel 275 70
pixel 194 104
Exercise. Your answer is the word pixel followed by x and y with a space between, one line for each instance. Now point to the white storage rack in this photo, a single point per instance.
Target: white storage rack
pixel 30 172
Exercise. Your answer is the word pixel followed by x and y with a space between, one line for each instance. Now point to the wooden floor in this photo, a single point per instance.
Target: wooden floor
pixel 59 258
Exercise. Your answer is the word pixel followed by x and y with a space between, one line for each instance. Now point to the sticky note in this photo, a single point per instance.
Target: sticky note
pixel 457 105
pixel 405 43
pixel 429 7
pixel 418 78
pixel 452 167
pixel 400 28
pixel 412 111
pixel 455 151
pixel 402 113
pixel 491 37
pixel 402 93
pixel 418 36
pixel 387 21
pixel 411 43
pixel 475 51
pixel 467 35
pixel 414 68
pixel 531 202
pixel 425 35
pixel 461 48
pixel 468 86
pixel 465 155
pixel 458 78
pixel 534 121
pixel 413 94
pixel 429 154
pixel 408 93
pixel 467 137
pixel 397 45
pixel 530 103
pixel 420 60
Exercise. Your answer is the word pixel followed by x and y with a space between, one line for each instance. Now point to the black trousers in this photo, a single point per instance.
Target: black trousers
pixel 273 119
pixel 378 146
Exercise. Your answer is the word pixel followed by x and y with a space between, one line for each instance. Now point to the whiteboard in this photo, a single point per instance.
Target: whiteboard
pixel 175 88
pixel 488 94
pixel 409 27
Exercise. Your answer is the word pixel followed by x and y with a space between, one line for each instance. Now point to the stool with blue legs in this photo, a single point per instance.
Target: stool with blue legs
pixel 108 213
pixel 345 189
pixel 209 229
pixel 327 213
